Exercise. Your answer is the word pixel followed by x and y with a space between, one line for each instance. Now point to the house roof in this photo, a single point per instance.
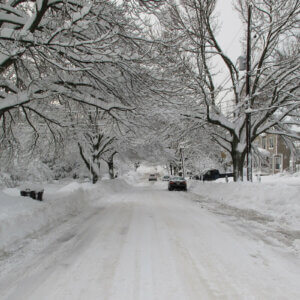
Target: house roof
pixel 263 152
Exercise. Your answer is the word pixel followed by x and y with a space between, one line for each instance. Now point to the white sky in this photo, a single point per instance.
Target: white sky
pixel 231 29
pixel 229 37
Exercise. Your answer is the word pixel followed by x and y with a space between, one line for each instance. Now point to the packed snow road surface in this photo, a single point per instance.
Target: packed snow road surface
pixel 148 243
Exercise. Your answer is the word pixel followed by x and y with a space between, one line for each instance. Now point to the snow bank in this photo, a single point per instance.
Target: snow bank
pixel 276 196
pixel 22 216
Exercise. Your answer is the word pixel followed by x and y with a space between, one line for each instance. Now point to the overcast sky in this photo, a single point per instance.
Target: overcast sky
pixel 229 37
pixel 231 29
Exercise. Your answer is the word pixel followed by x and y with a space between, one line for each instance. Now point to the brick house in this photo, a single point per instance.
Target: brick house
pixel 275 155
pixel 295 158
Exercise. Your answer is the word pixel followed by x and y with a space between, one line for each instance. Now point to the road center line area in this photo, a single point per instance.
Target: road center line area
pixel 147 243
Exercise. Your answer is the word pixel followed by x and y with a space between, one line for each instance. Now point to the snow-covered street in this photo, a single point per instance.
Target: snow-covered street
pixel 147 243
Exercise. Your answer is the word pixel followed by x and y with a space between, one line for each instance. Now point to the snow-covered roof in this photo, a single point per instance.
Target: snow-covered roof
pixel 263 152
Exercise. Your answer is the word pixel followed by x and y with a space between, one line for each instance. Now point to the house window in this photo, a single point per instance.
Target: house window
pixel 271 142
pixel 264 142
pixel 277 162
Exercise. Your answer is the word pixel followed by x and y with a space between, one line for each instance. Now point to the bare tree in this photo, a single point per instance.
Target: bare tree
pixel 56 52
pixel 274 81
pixel 77 50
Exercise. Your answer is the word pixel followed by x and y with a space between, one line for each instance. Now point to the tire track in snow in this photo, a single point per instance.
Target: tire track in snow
pixel 149 244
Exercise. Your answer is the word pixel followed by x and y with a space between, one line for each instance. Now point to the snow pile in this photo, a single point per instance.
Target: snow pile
pixel 276 197
pixel 108 186
pixel 22 216
pixel 136 178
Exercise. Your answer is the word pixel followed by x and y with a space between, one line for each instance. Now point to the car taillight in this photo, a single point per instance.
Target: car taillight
pixel 171 182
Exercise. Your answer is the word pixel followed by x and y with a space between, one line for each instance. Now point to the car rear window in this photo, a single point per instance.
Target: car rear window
pixel 178 178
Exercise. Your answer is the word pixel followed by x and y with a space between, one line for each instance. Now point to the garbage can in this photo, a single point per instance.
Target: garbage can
pixel 40 195
pixel 34 194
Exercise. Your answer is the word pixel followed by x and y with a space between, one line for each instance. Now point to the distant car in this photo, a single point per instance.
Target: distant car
pixel 177 183
pixel 152 177
pixel 210 175
pixel 166 178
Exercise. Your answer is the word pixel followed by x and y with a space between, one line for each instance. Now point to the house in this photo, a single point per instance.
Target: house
pixel 295 158
pixel 274 155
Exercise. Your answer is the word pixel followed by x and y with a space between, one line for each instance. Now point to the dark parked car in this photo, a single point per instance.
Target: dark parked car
pixel 214 175
pixel 177 183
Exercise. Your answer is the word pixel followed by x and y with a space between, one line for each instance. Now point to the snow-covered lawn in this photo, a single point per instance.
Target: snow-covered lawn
pixel 22 216
pixel 275 201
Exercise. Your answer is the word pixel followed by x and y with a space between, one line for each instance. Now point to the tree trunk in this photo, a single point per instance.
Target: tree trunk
pixel 95 177
pixel 95 171
pixel 110 164
pixel 111 169
pixel 175 170
pixel 93 167
pixel 238 164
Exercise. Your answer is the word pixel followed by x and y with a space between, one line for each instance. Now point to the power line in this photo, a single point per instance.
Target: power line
pixel 233 39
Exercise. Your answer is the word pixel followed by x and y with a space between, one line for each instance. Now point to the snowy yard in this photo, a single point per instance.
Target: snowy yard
pixel 273 205
pixel 119 241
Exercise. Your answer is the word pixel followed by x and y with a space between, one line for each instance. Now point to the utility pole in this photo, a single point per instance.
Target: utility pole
pixel 182 161
pixel 248 97
pixel 91 169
